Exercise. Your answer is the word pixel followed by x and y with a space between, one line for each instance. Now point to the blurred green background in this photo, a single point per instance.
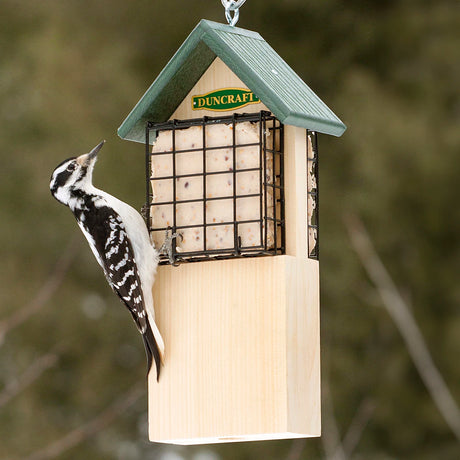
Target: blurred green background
pixel 72 366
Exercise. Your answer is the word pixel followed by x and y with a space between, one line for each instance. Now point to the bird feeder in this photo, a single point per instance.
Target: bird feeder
pixel 230 133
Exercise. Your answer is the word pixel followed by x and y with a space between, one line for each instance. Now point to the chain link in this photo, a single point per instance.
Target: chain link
pixel 232 6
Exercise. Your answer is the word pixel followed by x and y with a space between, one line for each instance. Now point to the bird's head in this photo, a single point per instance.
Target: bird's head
pixel 73 174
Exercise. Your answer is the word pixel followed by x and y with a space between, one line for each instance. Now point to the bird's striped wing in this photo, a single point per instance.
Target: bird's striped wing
pixel 111 246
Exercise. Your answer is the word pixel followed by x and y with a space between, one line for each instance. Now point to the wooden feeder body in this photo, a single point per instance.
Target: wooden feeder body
pixel 242 359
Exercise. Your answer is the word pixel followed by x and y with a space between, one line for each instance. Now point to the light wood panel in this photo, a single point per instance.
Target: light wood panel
pixel 242 351
pixel 217 76
pixel 295 170
pixel 303 346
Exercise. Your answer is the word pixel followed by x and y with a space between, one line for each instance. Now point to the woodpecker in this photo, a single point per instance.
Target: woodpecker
pixel 119 239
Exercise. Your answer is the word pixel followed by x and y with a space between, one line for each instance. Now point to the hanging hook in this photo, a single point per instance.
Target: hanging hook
pixel 232 6
pixel 232 20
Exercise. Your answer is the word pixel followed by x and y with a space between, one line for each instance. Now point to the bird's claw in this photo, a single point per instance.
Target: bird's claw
pixel 144 212
pixel 167 247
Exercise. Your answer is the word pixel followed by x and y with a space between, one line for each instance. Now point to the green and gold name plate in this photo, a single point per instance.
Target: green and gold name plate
pixel 224 99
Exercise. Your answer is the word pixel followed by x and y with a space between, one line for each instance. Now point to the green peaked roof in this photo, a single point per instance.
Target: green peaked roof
pixel 253 60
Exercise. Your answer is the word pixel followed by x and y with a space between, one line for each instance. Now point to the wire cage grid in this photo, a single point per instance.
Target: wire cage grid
pixel 270 194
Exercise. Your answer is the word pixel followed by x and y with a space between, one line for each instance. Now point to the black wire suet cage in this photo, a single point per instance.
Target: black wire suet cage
pixel 218 182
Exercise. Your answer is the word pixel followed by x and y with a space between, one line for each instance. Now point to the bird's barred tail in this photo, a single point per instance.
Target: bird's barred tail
pixel 152 350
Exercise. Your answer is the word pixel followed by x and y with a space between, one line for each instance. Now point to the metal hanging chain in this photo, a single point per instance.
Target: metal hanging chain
pixel 232 6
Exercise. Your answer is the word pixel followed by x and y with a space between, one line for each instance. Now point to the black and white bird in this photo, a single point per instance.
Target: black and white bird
pixel 119 239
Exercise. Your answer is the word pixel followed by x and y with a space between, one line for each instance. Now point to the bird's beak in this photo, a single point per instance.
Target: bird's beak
pixel 95 151
pixel 89 158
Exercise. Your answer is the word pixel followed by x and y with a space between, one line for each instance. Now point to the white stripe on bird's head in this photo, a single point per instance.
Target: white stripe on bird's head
pixel 74 174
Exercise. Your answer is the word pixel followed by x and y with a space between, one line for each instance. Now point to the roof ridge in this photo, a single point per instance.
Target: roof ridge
pixel 252 59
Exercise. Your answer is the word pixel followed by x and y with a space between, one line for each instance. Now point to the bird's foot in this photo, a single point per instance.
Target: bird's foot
pixel 144 211
pixel 167 246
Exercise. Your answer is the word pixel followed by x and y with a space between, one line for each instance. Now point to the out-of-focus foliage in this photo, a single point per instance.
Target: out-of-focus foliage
pixel 70 71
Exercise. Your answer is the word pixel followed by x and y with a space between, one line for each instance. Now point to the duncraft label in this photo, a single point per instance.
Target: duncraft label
pixel 224 99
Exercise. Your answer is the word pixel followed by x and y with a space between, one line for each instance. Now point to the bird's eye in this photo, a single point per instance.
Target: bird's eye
pixel 71 167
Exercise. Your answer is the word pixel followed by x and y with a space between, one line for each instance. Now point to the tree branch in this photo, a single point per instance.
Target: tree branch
pixel 405 322
pixel 45 293
pixel 357 426
pixel 297 447
pixel 32 373
pixel 330 438
pixel 91 428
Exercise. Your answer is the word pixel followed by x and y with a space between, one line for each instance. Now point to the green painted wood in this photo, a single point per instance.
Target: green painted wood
pixel 253 60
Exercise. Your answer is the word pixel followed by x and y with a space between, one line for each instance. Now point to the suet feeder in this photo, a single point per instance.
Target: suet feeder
pixel 232 166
